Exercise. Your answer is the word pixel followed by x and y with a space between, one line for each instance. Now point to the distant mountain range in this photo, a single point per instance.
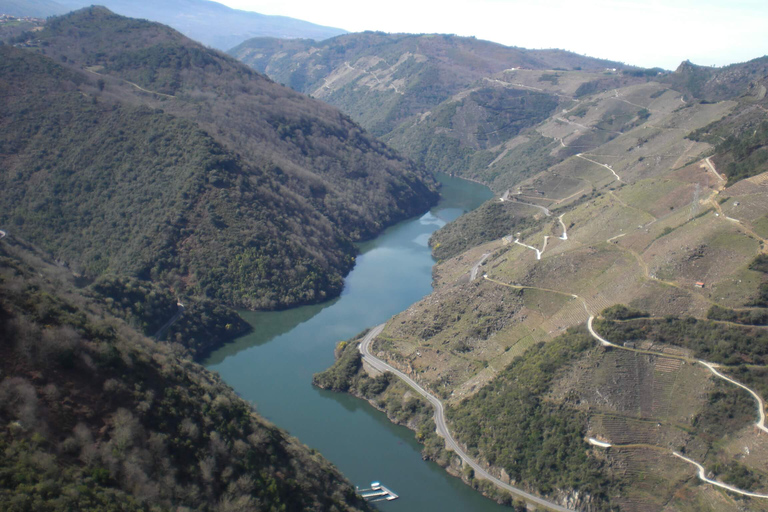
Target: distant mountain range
pixel 210 23
pixel 437 98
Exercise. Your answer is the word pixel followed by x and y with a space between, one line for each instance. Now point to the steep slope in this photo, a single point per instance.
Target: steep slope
pixel 382 80
pixel 97 417
pixel 633 193
pixel 212 23
pixel 146 154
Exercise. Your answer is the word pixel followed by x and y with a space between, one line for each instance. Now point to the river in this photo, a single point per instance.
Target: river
pixel 273 366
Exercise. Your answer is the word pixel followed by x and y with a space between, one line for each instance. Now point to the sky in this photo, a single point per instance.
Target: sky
pixel 648 33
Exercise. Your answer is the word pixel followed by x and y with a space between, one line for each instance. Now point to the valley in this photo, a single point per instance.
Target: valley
pixel 590 332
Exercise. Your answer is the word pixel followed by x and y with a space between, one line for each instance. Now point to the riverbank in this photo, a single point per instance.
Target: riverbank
pixel 353 374
pixel 273 366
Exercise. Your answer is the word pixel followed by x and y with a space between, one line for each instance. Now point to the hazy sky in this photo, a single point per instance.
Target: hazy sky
pixel 640 32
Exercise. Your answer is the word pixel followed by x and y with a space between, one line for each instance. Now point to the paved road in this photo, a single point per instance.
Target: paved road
pixel 538 252
pixel 442 428
pixel 760 404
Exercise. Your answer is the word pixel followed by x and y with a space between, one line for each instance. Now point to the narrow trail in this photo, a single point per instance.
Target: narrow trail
pixel 703 476
pixel 442 427
pixel 760 423
pixel 137 86
pixel 476 268
pixel 564 236
pixel 538 252
pixel 746 228
pixel 538 206
pixel 709 165
pixel 3 234
pixel 601 165
pixel 617 97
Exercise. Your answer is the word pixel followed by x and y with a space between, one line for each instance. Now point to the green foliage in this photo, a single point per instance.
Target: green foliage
pixel 123 423
pixel 138 302
pixel 746 317
pixel 238 190
pixel 760 264
pixel 549 77
pixel 491 221
pixel 737 475
pixel 727 410
pixel 340 376
pixel 622 312
pixel 746 153
pixel 718 343
pixel 537 442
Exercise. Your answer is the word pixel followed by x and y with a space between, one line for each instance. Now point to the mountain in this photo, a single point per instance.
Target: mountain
pixel 97 417
pixel 637 206
pixel 212 23
pixel 442 100
pixel 129 149
pixel 383 80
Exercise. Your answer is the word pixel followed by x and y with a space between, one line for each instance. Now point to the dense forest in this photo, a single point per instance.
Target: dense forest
pixel 131 150
pixel 98 417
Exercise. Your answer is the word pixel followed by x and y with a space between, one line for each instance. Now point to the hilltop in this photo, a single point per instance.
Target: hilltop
pixel 129 149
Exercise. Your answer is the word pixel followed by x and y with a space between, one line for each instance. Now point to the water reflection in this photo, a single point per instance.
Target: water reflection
pixel 267 325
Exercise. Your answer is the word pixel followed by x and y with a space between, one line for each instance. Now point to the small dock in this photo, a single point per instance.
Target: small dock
pixel 377 492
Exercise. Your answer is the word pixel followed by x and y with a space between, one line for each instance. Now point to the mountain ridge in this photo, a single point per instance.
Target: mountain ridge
pixel 258 149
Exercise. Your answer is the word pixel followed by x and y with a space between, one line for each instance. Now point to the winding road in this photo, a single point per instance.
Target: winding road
pixel 703 476
pixel 760 423
pixel 601 165
pixel 442 428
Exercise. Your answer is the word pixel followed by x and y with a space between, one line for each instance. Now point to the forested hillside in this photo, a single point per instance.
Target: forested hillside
pixel 131 150
pixel 97 417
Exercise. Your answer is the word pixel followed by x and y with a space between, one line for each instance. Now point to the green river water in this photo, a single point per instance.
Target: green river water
pixel 273 366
